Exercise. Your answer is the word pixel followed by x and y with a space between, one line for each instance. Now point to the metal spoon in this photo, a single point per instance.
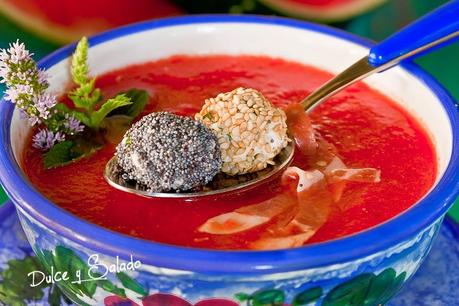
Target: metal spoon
pixel 432 30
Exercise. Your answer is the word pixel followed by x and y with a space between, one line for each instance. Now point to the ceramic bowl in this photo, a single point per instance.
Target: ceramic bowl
pixel 364 269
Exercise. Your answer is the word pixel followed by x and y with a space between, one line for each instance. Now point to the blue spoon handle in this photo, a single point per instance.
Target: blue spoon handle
pixel 433 30
pixel 441 24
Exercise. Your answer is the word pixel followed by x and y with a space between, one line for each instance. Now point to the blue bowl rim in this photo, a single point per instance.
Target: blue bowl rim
pixel 373 240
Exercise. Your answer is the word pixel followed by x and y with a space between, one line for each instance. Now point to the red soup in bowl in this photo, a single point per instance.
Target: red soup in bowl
pixel 362 126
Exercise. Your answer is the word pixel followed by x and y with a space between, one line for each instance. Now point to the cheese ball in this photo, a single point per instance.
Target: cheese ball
pixel 164 152
pixel 250 130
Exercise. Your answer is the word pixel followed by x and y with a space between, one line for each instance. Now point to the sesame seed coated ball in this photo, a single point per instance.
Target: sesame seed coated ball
pixel 165 152
pixel 250 130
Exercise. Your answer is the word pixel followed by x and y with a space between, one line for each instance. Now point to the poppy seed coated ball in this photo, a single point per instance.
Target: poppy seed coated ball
pixel 165 152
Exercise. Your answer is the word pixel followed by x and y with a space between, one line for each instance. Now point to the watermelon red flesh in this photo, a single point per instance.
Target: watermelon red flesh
pixel 68 20
pixel 325 10
pixel 323 3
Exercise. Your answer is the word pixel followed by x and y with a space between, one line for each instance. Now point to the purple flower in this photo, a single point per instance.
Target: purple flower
pixel 3 56
pixel 26 87
pixel 23 114
pixel 43 103
pixel 42 77
pixel 14 92
pixel 45 139
pixel 73 125
pixel 17 53
pixel 4 68
pixel 11 94
pixel 33 120
pixel 13 61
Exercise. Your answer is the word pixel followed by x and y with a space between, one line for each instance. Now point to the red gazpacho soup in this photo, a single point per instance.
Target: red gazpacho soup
pixel 362 127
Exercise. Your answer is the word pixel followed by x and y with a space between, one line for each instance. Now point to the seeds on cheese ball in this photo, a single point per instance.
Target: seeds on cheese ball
pixel 250 130
pixel 165 152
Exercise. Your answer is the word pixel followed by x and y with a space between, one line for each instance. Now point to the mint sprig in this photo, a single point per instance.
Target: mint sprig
pixel 28 88
pixel 116 120
pixel 67 133
pixel 86 96
pixel 91 111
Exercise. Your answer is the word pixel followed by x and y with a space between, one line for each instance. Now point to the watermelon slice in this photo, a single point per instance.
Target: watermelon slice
pixel 63 21
pixel 322 10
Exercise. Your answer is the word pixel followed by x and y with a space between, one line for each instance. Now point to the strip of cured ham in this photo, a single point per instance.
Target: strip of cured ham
pixel 310 199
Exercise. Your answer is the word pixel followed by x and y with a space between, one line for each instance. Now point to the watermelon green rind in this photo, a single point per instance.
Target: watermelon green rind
pixel 33 24
pixel 325 13
pixel 68 20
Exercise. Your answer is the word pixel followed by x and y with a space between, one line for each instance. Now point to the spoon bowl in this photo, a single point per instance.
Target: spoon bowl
pixel 221 183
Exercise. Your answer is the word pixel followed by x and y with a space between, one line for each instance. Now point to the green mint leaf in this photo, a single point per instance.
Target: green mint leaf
pixel 62 109
pixel 118 121
pixel 79 67
pixel 60 154
pixel 131 284
pixel 86 96
pixel 69 151
pixel 110 105
pixel 96 96
pixel 139 99
pixel 82 117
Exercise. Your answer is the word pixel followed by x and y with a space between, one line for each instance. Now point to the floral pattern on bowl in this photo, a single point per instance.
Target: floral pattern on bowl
pixel 17 260
pixel 434 282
